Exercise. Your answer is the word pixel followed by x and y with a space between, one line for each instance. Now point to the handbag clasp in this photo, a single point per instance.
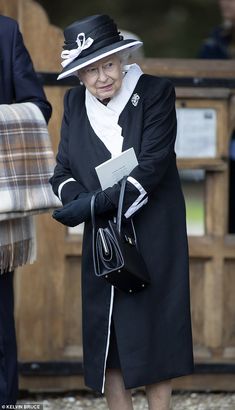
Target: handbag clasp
pixel 129 240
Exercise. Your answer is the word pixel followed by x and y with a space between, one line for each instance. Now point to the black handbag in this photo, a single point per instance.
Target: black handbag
pixel 116 256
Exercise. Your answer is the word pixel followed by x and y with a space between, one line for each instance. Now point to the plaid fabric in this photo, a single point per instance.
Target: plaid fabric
pixel 17 243
pixel 26 164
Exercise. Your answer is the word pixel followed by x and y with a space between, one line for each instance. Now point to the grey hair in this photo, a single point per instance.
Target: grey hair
pixel 124 56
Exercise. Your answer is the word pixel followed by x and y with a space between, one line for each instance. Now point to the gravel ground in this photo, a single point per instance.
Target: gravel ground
pixel 184 401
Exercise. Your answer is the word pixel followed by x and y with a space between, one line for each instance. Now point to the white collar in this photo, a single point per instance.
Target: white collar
pixel 119 101
pixel 104 119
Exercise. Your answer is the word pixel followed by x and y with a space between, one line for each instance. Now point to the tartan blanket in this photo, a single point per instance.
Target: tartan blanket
pixel 17 243
pixel 26 164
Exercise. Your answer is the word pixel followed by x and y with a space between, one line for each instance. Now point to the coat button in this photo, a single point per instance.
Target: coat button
pixel 119 270
pixel 130 290
pixel 143 285
pixel 106 276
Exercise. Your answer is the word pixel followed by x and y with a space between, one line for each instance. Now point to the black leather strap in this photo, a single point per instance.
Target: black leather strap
pixel 93 226
pixel 119 212
pixel 93 198
pixel 120 204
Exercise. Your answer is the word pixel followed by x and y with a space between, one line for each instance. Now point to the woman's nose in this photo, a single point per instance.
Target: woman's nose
pixel 102 76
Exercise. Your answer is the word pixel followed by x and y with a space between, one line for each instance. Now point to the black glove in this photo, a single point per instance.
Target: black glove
pixel 79 210
pixel 103 203
pixel 75 212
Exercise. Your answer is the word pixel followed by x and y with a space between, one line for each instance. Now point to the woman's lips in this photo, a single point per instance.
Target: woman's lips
pixel 106 87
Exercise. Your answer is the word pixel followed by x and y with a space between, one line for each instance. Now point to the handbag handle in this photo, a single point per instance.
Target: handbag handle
pixel 93 209
pixel 120 205
pixel 119 210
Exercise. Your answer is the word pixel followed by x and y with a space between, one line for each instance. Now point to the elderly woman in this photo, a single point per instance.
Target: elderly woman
pixel 142 339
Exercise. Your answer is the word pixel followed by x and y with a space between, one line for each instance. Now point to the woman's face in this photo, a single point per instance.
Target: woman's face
pixel 228 9
pixel 104 78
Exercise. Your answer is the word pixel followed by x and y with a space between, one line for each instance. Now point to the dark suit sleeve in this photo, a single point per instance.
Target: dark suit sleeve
pixel 63 183
pixel 158 141
pixel 27 86
pixel 157 150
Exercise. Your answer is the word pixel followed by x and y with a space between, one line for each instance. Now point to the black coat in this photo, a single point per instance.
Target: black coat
pixel 153 327
pixel 18 80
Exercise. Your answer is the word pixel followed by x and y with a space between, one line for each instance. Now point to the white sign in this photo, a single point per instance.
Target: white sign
pixel 196 133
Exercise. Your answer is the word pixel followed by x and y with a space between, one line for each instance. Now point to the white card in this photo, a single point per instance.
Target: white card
pixel 113 170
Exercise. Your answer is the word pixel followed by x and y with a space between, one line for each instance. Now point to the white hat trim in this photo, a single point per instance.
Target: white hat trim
pixel 82 44
pixel 93 60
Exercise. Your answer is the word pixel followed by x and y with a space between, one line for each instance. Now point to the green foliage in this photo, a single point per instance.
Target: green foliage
pixel 169 28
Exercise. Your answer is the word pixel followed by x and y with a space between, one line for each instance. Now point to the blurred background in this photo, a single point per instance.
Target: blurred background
pixel 169 28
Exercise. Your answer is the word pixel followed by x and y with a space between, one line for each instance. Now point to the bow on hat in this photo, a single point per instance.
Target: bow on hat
pixel 70 55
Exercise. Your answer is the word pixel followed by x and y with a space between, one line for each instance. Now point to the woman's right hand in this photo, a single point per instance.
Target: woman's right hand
pixel 75 212
pixel 79 210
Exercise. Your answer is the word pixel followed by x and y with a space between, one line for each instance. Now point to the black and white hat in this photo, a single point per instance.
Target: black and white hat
pixel 90 39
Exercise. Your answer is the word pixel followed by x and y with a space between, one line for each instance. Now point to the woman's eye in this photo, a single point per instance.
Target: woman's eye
pixel 108 65
pixel 91 70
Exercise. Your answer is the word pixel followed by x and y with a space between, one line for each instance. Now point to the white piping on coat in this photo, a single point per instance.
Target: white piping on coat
pixel 108 336
pixel 140 201
pixel 62 184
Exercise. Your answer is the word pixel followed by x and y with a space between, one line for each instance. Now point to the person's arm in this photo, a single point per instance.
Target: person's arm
pixel 157 150
pixel 26 83
pixel 63 183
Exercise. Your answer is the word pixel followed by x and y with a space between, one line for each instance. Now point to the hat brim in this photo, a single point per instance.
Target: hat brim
pixel 79 63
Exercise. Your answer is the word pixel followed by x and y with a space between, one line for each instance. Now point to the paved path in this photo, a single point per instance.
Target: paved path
pixel 184 401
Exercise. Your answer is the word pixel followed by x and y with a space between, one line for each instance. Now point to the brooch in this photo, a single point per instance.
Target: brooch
pixel 135 99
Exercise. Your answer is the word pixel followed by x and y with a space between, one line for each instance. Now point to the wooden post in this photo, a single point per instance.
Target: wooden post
pixel 9 8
